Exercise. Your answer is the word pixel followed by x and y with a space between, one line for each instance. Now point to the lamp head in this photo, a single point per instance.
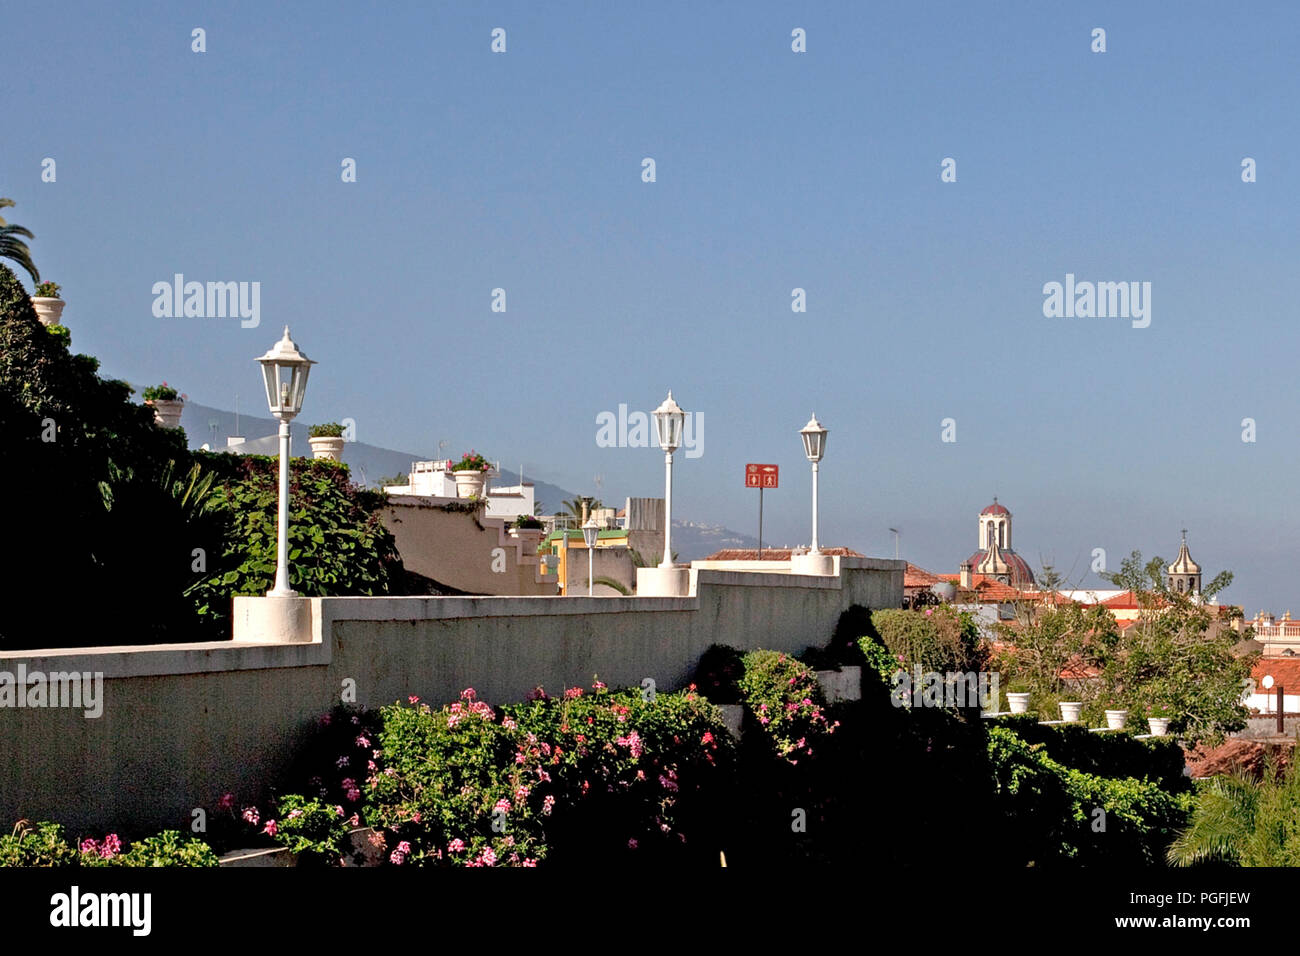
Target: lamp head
pixel 285 371
pixel 669 419
pixel 814 439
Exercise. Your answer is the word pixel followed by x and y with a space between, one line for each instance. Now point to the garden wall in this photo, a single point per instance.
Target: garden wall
pixel 182 724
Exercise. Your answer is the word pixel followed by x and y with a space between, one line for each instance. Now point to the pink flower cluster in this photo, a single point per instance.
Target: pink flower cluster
pixel 398 856
pixel 633 742
pixel 110 848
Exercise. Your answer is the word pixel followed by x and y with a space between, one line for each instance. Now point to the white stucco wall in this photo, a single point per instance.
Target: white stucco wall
pixel 182 723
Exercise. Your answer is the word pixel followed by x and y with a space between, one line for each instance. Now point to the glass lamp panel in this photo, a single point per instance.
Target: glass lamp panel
pixel 272 380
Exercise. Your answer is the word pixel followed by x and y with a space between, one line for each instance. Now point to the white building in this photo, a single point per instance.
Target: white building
pixel 434 479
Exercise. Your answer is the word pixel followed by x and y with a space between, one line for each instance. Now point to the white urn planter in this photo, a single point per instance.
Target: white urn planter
pixel 1019 703
pixel 329 447
pixel 469 483
pixel 1071 710
pixel 1116 719
pixel 48 310
pixel 167 411
pixel 1159 726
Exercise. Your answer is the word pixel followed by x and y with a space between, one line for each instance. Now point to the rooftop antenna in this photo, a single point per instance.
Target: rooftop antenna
pixel 237 431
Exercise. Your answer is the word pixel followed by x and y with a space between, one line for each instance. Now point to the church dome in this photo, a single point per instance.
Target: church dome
pixel 995 509
pixel 1022 576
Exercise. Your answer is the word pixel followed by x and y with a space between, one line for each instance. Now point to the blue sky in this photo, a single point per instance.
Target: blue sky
pixel 775 170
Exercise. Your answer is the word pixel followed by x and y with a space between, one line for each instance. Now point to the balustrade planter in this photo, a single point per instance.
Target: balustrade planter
pixel 328 447
pixel 48 310
pixel 1116 719
pixel 1159 726
pixel 469 484
pixel 167 411
pixel 1019 703
pixel 1071 711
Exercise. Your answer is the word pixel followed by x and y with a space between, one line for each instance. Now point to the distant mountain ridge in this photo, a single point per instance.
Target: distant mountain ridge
pixel 204 424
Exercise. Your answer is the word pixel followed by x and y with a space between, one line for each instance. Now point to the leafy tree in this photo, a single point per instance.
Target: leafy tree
pixel 338 544
pixel 12 246
pixel 1044 640
pixel 1177 656
pixel 89 480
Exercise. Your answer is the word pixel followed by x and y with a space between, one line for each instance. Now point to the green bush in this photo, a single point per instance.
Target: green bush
pixel 1049 813
pixel 782 695
pixel 39 844
pixel 45 845
pixel 1160 759
pixel 316 831
pixel 937 639
pixel 338 544
pixel 326 430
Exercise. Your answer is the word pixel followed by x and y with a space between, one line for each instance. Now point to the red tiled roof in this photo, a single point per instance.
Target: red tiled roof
pixel 774 554
pixel 916 577
pixel 995 509
pixel 991 589
pixel 1283 670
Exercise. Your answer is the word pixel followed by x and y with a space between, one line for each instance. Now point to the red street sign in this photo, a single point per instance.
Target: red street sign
pixel 761 476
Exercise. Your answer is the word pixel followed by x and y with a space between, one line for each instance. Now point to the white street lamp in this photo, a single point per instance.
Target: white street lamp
pixel 590 530
pixel 285 370
pixel 669 419
pixel 814 446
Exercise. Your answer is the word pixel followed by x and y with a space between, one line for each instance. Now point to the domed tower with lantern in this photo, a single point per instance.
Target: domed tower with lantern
pixel 995 558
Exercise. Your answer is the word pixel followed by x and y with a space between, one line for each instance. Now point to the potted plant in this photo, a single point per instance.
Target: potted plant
pixel 469 474
pixel 48 303
pixel 1071 710
pixel 1116 714
pixel 1018 697
pixel 326 441
pixel 166 403
pixel 1158 717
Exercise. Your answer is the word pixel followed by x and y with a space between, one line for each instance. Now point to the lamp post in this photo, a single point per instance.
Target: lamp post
pixel 668 579
pixel 814 446
pixel 668 427
pixel 589 532
pixel 285 371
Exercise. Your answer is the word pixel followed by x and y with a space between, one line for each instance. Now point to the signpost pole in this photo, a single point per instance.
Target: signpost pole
pixel 760 522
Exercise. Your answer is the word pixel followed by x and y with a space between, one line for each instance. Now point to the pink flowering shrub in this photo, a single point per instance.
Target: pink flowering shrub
pixel 314 829
pixel 544 780
pixel 784 699
pixel 448 789
pixel 44 844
